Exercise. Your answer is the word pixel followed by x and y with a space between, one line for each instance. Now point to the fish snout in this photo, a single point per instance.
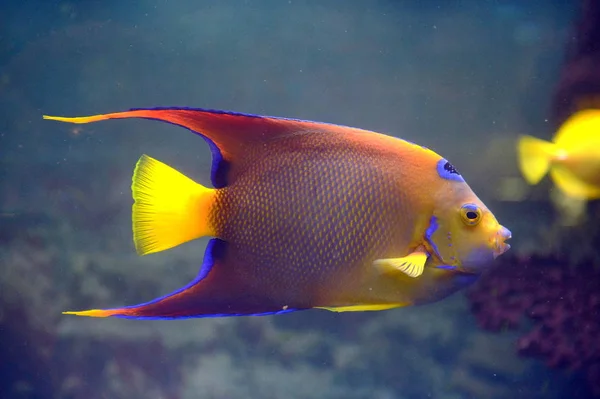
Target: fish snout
pixel 500 246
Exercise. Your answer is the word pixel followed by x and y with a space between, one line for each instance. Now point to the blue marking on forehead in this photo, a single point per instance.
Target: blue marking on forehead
pixel 433 226
pixel 447 171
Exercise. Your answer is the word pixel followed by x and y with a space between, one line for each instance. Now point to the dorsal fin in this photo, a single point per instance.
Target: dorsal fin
pixel 226 132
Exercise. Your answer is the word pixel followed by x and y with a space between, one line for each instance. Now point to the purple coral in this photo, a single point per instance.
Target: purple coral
pixel 561 301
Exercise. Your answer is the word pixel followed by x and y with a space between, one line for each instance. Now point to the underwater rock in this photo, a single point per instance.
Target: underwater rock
pixel 43 273
pixel 27 323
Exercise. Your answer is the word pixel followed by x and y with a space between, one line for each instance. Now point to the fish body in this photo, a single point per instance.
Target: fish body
pixel 307 215
pixel 572 158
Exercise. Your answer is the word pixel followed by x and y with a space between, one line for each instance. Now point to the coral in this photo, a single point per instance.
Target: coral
pixel 561 302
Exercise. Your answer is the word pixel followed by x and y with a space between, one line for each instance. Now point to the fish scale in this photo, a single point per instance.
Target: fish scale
pixel 349 226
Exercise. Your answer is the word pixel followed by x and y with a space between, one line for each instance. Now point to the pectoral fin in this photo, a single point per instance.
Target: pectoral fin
pixel 412 265
pixel 574 187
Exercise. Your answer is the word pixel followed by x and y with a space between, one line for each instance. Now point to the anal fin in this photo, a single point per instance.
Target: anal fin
pixel 363 308
pixel 217 291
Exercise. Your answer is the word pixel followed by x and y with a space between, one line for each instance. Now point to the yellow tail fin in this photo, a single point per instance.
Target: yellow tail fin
pixel 169 208
pixel 535 157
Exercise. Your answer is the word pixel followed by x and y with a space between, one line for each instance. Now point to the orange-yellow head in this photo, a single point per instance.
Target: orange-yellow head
pixel 463 233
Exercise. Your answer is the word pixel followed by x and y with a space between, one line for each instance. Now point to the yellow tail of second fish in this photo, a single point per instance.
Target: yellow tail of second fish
pixel 535 157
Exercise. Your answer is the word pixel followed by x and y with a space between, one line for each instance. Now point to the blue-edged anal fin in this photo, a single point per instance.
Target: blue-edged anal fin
pixel 214 292
pixel 228 133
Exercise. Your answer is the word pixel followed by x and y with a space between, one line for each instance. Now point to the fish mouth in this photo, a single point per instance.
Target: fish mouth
pixel 499 243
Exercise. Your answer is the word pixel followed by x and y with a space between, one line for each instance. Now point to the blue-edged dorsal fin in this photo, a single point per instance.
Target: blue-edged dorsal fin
pixel 228 133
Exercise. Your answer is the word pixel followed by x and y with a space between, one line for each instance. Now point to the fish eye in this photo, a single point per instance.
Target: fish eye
pixel 470 214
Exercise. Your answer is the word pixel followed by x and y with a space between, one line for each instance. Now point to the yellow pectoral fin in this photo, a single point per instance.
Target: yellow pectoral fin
pixel 572 186
pixel 169 208
pixel 363 308
pixel 412 265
